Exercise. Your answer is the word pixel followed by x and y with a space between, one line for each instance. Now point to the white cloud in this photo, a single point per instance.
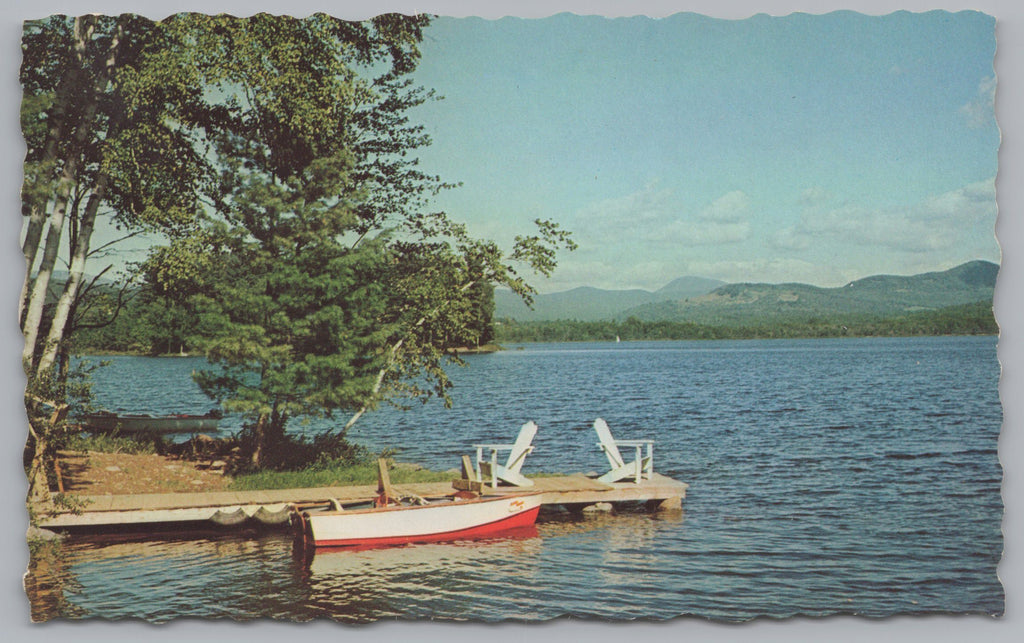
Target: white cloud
pixel 657 216
pixel 971 204
pixel 701 233
pixel 643 206
pixel 897 230
pixel 720 222
pixel 937 223
pixel 647 238
pixel 980 111
pixel 728 208
pixel 791 238
pixel 814 196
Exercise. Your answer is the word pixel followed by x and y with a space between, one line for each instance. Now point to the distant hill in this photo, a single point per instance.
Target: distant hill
pixel 707 301
pixel 877 296
pixel 686 287
pixel 60 277
pixel 592 304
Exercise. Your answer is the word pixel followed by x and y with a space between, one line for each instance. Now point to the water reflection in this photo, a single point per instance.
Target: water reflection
pixel 163 578
pixel 48 582
pixel 538 572
pixel 614 565
pixel 419 580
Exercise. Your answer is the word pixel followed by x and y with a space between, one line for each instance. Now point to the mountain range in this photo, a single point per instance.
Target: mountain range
pixel 591 304
pixel 707 301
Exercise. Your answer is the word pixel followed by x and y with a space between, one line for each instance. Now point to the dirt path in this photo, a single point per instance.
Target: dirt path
pixel 94 474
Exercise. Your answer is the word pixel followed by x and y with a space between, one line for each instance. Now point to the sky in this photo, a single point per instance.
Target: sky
pixel 808 148
pixel 799 148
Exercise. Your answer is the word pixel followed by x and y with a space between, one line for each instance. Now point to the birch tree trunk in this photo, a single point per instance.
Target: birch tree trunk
pixel 84 93
pixel 40 174
pixel 77 269
pixel 69 178
pixel 34 313
pixel 33 235
pixel 392 352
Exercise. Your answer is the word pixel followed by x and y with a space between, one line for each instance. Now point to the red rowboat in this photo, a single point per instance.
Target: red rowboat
pixel 447 519
pixel 397 520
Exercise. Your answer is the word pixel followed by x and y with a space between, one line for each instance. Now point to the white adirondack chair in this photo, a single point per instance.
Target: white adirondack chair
pixel 509 472
pixel 640 468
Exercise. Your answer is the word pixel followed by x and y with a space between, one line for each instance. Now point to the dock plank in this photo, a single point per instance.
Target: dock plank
pixel 136 509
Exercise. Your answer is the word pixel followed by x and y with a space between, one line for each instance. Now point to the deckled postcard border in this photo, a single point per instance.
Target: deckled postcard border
pixel 1009 308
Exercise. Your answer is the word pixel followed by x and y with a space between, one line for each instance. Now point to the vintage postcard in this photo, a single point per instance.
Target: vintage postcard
pixel 422 317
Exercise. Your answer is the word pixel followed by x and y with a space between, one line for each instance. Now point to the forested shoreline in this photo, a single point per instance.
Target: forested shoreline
pixel 968 319
pixel 140 331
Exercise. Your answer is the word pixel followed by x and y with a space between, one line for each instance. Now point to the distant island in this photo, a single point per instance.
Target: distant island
pixel 952 302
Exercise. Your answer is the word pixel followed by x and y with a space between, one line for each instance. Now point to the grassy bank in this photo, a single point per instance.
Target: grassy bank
pixel 336 474
pixel 103 443
pixel 358 467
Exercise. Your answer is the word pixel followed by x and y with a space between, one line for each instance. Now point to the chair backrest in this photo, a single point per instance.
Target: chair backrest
pixel 521 447
pixel 604 436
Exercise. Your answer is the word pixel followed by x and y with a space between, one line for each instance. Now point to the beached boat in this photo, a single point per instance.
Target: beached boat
pixel 397 519
pixel 107 422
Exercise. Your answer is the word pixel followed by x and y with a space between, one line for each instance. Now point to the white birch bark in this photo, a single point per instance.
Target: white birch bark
pixel 68 178
pixel 77 269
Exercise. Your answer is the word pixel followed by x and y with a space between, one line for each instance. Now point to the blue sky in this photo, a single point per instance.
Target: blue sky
pixel 817 149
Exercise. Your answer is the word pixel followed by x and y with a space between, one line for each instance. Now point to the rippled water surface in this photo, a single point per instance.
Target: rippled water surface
pixel 826 476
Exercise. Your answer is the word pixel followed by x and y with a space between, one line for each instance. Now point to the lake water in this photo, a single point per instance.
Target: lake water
pixel 854 476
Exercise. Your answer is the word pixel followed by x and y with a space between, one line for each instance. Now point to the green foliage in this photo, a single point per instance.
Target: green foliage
pixel 121 96
pixel 318 282
pixel 286 306
pixel 290 329
pixel 69 503
pixel 132 113
pixel 276 154
pixel 968 319
pixel 48 393
pixel 479 326
pixel 106 443
pixel 50 396
pixel 299 452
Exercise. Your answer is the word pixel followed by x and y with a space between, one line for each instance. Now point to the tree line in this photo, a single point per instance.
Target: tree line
pixel 150 324
pixel 968 319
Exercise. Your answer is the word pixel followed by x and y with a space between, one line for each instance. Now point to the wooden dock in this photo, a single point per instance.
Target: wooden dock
pixel 112 513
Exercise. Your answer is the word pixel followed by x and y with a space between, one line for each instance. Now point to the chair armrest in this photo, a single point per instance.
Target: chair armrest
pixel 495 447
pixel 633 443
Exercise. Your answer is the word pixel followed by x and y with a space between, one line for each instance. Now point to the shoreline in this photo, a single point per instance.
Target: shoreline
pixel 497 348
pixel 99 352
